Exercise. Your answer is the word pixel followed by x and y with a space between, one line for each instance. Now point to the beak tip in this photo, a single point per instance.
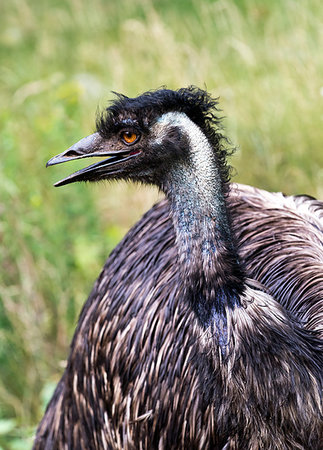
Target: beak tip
pixel 51 161
pixel 59 183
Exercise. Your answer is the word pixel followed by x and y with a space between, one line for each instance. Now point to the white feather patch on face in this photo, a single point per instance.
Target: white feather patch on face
pixel 200 150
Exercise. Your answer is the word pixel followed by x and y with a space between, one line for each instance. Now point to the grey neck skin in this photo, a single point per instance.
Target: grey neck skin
pixel 209 263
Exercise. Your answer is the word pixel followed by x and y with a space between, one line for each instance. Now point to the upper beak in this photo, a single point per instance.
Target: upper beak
pixel 90 146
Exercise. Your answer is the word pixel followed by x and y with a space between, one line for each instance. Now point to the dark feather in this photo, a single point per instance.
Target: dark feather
pixel 136 372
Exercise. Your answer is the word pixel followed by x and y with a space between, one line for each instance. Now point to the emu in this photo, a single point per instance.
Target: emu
pixel 205 328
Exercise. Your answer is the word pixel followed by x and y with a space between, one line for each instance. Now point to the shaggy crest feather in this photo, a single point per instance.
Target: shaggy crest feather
pixel 196 103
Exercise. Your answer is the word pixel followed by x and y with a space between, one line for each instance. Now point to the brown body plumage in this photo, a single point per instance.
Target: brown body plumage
pixel 145 371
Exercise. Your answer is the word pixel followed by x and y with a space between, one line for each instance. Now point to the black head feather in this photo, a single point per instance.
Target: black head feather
pixel 143 110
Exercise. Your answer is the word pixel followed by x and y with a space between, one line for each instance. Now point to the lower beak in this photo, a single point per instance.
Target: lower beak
pixel 88 147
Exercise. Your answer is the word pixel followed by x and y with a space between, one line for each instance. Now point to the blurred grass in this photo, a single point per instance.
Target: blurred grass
pixel 59 60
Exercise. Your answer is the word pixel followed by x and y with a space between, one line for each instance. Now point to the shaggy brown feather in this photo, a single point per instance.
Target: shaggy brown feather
pixel 142 373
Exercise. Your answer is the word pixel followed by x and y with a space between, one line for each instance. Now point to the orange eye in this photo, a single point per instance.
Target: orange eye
pixel 129 137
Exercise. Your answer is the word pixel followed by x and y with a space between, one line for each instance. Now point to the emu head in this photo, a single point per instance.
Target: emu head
pixel 148 137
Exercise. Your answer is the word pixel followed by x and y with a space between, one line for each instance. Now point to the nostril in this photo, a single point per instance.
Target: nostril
pixel 72 153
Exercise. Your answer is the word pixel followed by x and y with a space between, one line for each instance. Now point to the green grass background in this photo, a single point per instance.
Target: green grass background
pixel 59 61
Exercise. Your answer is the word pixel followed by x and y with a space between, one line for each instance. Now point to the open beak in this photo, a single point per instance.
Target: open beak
pixel 88 147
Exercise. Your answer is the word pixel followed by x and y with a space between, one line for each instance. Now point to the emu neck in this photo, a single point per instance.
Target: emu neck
pixel 208 259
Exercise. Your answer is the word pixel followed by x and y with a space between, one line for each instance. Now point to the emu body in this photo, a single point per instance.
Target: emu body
pixel 205 327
